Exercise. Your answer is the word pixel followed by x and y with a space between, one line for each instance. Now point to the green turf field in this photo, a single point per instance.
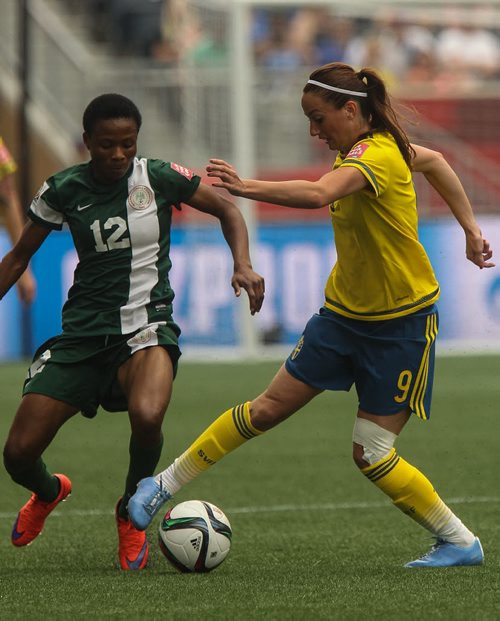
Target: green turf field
pixel 312 538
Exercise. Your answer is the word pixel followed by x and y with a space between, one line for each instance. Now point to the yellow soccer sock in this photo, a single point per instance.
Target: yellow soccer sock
pixel 414 494
pixel 229 431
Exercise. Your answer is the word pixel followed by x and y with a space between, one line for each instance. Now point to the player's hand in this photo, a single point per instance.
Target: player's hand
pixel 227 175
pixel 253 283
pixel 477 250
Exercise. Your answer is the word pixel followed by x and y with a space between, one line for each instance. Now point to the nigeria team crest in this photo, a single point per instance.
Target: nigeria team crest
pixel 140 197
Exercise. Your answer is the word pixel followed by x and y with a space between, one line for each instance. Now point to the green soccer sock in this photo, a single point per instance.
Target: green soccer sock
pixel 143 462
pixel 38 479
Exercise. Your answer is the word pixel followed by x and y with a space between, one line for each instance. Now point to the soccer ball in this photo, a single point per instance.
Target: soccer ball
pixel 195 536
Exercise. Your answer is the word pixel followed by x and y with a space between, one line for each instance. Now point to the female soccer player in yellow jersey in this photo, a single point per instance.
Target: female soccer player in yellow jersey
pixel 379 322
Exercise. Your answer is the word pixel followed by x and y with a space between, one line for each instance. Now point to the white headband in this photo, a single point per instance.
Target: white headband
pixel 337 90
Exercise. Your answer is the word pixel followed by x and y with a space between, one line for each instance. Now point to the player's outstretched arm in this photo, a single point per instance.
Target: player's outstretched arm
pixel 445 181
pixel 16 261
pixel 235 232
pixel 296 193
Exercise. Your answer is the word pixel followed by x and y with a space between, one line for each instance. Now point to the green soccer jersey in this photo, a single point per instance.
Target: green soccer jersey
pixel 121 233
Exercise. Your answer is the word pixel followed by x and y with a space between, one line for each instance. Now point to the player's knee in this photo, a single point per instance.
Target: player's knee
pixel 146 421
pixel 371 443
pixel 357 455
pixel 15 457
pixel 265 413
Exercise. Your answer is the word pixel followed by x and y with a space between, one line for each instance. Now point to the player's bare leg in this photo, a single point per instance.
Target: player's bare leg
pixel 146 379
pixel 410 491
pixel 37 421
pixel 284 396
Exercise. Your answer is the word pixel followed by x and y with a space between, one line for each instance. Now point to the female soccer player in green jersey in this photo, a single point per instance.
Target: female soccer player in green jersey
pixel 379 322
pixel 119 344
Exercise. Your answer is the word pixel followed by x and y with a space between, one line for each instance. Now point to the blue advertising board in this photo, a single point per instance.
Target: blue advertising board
pixel 295 259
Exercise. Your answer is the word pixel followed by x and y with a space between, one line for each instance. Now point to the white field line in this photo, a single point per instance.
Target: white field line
pixel 325 506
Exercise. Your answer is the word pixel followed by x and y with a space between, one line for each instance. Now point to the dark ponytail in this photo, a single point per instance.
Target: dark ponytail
pixel 383 115
pixel 375 107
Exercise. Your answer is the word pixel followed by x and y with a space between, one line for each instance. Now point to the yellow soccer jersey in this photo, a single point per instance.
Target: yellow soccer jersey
pixel 382 270
pixel 7 164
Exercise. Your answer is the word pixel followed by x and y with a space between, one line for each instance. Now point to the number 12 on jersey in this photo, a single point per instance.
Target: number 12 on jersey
pixel 117 240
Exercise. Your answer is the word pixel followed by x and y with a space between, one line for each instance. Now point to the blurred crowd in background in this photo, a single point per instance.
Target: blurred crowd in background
pixel 458 49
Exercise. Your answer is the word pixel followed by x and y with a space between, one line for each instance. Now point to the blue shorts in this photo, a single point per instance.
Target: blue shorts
pixel 390 362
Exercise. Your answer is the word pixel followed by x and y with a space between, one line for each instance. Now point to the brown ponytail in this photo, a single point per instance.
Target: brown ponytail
pixel 376 107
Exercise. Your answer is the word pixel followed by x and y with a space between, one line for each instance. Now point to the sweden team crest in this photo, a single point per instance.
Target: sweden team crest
pixel 297 348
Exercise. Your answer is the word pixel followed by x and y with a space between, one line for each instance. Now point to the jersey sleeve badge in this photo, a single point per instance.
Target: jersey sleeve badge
pixel 357 151
pixel 182 170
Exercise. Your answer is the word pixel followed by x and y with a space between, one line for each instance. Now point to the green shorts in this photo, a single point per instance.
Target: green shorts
pixel 82 371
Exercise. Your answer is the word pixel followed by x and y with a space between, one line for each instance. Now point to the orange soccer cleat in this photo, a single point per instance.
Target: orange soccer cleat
pixel 31 518
pixel 133 546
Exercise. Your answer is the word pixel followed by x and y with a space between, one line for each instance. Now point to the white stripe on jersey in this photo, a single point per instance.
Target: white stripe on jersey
pixel 144 230
pixel 40 208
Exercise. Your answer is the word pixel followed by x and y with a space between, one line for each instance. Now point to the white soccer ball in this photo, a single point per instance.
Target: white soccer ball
pixel 195 536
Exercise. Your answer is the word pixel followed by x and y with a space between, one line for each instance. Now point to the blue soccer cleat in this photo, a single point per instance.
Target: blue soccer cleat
pixel 146 502
pixel 446 554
